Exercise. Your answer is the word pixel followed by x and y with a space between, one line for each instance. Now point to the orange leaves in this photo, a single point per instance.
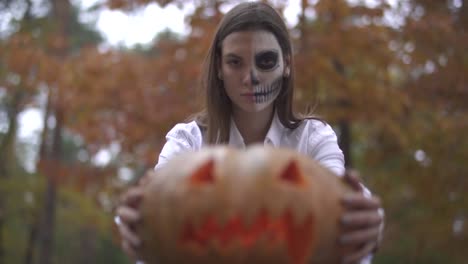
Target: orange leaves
pixel 344 63
pixel 21 57
pixel 134 98
pixel 57 43
pixel 20 54
pixel 129 97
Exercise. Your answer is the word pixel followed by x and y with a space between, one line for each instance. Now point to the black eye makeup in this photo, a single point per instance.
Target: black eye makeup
pixel 267 60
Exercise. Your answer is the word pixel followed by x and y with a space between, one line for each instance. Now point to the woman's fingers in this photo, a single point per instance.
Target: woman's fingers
pixel 129 236
pixel 357 256
pixel 361 219
pixel 129 250
pixel 351 177
pixel 359 201
pixel 361 236
pixel 132 197
pixel 146 177
pixel 128 215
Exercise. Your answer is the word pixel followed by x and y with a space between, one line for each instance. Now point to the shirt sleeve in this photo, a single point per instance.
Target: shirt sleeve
pixel 323 147
pixel 181 138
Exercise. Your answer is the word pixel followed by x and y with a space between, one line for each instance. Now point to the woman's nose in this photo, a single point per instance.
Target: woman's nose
pixel 251 78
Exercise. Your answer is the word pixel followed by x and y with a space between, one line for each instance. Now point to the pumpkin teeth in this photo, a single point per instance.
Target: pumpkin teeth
pixel 237 228
pixel 264 230
pixel 225 248
pixel 263 239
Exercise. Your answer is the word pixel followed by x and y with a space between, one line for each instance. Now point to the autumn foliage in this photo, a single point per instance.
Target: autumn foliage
pixel 390 76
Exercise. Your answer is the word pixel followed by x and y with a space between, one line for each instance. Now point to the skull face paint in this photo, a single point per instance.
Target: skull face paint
pixel 266 92
pixel 252 67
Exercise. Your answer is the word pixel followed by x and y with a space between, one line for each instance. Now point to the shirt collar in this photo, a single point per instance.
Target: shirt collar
pixel 275 132
pixel 272 137
pixel 235 138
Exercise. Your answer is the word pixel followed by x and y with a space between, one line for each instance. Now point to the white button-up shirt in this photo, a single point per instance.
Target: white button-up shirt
pixel 313 138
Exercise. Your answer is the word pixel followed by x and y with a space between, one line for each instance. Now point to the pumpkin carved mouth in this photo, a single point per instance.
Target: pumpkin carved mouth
pixel 280 230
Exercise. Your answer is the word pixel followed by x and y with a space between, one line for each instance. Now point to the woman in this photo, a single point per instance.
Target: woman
pixel 249 78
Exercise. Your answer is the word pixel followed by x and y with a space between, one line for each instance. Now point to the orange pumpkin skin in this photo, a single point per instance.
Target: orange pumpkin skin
pixel 259 205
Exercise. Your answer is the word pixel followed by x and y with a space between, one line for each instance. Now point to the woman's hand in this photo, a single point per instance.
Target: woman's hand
pixel 128 216
pixel 362 221
pixel 126 219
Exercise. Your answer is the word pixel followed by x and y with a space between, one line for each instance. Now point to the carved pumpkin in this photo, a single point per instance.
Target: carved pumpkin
pixel 259 205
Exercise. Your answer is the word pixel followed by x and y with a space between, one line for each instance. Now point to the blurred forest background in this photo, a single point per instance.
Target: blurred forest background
pixel 396 94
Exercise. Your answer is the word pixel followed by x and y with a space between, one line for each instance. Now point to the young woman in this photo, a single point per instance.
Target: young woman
pixel 249 79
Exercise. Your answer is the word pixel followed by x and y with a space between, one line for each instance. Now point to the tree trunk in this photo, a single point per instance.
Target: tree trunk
pixel 303 25
pixel 8 158
pixel 61 12
pixel 48 219
pixel 32 236
pixel 43 154
pixel 345 142
pixel 7 146
pixel 48 222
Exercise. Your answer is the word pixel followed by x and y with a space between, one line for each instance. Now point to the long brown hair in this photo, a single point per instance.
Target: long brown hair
pixel 215 119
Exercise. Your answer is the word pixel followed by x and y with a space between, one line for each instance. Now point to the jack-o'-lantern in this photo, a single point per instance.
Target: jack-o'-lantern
pixel 258 205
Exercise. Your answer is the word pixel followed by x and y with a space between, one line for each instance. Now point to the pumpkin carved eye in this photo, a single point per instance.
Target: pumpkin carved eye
pixel 292 175
pixel 203 175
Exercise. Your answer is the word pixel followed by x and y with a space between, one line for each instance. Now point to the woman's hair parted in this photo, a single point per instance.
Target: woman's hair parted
pixel 215 119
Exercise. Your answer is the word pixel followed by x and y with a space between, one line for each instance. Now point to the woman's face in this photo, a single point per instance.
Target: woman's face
pixel 252 69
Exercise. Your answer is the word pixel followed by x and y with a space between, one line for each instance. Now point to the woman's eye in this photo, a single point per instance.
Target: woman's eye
pixel 267 60
pixel 267 63
pixel 233 62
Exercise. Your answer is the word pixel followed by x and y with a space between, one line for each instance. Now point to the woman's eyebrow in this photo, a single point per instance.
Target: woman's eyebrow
pixel 232 55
